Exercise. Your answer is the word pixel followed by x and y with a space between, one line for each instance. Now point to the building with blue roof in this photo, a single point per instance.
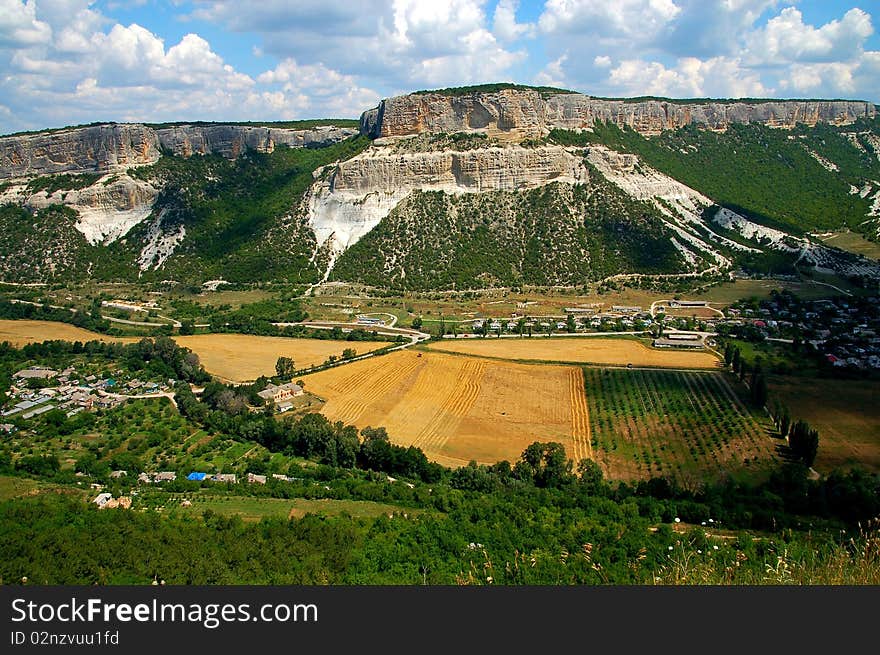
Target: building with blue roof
pixel 196 476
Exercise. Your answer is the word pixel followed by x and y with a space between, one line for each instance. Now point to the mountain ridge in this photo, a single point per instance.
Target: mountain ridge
pixel 574 189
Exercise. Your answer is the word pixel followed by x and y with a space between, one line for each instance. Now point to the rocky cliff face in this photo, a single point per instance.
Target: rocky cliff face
pixel 106 210
pixel 120 146
pixel 359 192
pixel 520 113
pixel 231 140
pixel 96 148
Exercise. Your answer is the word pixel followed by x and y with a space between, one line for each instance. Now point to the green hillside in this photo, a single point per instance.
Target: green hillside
pixel 765 173
pixel 243 222
pixel 546 236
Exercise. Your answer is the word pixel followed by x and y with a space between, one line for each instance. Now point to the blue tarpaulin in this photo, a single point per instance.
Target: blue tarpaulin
pixel 195 475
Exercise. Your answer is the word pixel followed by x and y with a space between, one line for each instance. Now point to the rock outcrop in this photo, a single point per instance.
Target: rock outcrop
pixel 231 140
pixel 103 148
pixel 358 193
pixel 94 148
pixel 522 113
pixel 106 210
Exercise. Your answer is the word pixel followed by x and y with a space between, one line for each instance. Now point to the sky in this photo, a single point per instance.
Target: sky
pixel 66 62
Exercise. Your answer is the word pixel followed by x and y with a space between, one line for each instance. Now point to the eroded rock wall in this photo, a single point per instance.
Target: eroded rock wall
pixel 103 148
pixel 521 113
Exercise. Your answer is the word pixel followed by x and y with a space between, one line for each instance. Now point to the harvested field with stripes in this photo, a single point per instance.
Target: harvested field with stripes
pixel 587 350
pixel 687 426
pixel 459 409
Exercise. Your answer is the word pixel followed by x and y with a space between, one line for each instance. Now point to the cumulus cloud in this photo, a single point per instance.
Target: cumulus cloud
pixel 786 38
pixel 504 24
pixel 316 86
pixel 690 77
pixel 634 19
pixel 78 66
pixel 724 48
pixel 401 45
pixel 19 26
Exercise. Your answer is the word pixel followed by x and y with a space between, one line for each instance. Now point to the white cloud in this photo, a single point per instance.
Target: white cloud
pixel 504 24
pixel 74 71
pixel 786 38
pixel 552 74
pixel 317 86
pixel 690 77
pixel 706 47
pixel 404 44
pixel 639 19
pixel 65 61
pixel 19 26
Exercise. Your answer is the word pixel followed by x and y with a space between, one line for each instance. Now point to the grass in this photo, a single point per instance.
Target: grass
pixel 853 242
pixel 846 414
pixel 15 487
pixel 11 487
pixel 729 292
pixel 256 508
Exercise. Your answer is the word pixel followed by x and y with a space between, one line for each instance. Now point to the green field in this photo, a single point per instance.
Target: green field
pixel 853 242
pixel 15 487
pixel 255 508
pixel 691 427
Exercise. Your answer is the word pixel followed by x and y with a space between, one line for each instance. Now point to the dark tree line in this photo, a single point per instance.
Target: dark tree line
pixel 803 440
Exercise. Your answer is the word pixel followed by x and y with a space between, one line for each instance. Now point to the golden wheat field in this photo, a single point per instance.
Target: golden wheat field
pixel 19 333
pixel 242 357
pixel 458 409
pixel 235 357
pixel 587 350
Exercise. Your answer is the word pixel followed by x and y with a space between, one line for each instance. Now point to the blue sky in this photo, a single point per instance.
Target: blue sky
pixel 77 61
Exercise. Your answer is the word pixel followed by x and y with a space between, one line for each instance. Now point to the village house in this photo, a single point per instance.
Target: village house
pixel 102 499
pixel 35 372
pixel 279 393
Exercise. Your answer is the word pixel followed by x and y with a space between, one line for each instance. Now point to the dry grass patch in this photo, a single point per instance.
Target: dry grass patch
pixel 20 333
pixel 243 357
pixel 458 409
pixel 235 357
pixel 846 414
pixel 587 350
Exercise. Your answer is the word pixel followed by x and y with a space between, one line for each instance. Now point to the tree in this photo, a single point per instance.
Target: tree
pixel 570 324
pixel 545 464
pixel 759 391
pixel 284 368
pixel 417 323
pixel 187 327
pixel 590 475
pixel 804 442
pixel 784 422
pixel 349 353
